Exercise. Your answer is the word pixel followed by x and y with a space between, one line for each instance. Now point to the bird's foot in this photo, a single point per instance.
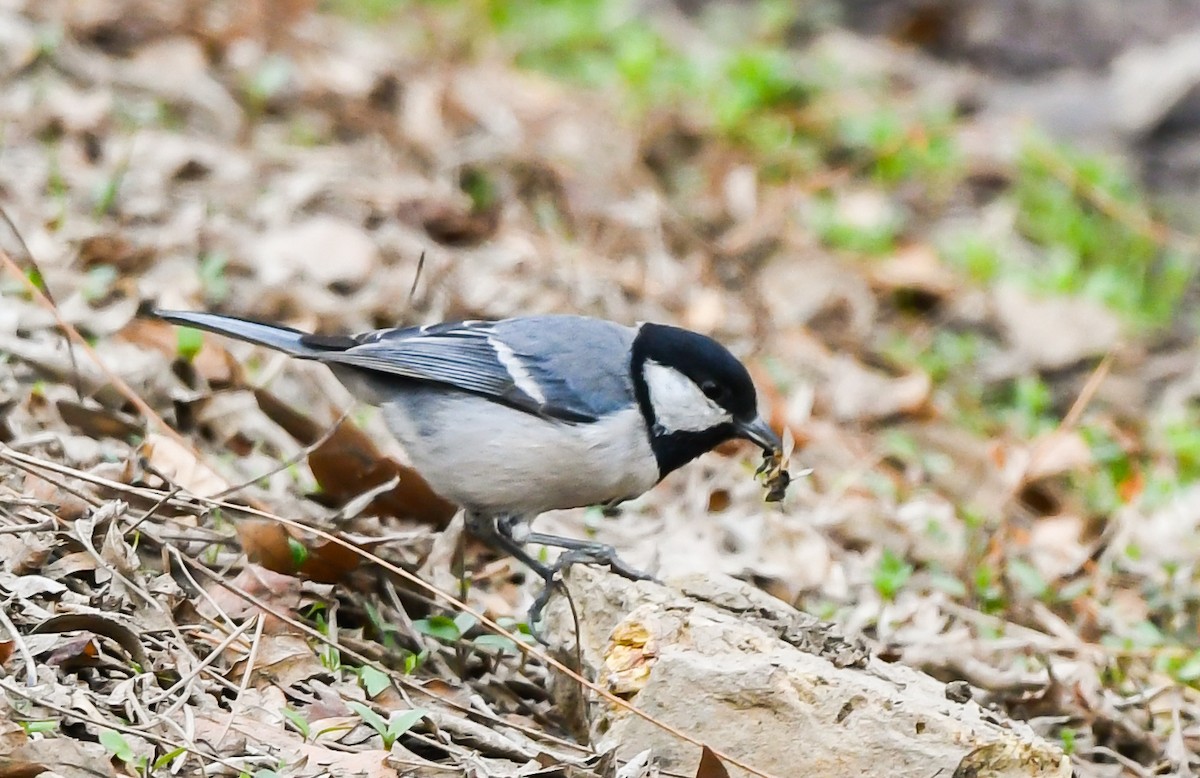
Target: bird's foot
pixel 593 553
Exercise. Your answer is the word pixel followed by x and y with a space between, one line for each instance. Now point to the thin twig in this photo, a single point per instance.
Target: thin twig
pixel 296 458
pixel 259 623
pixel 417 277
pixel 1087 393
pixel 22 648
pixel 45 524
pixel 205 662
pixel 153 509
pixel 44 287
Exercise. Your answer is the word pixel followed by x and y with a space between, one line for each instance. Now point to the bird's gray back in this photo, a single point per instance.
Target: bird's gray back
pixel 571 368
pixel 578 361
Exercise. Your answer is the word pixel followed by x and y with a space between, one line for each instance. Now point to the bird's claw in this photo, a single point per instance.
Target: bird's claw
pixel 600 555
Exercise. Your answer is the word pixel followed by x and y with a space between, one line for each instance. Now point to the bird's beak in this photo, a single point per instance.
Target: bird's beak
pixel 760 433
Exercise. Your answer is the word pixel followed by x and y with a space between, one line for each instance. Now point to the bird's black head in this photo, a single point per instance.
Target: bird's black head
pixel 694 394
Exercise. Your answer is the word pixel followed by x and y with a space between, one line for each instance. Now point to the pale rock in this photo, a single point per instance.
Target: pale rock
pixel 772 687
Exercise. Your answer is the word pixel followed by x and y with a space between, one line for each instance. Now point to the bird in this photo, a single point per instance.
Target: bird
pixel 514 417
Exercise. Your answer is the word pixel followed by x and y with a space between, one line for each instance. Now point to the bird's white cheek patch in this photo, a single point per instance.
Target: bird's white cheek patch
pixel 679 405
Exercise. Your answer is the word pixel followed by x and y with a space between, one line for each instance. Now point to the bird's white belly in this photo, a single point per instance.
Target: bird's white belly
pixel 493 459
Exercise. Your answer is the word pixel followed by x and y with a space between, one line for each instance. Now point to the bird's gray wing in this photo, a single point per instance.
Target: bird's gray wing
pixel 576 361
pixel 564 367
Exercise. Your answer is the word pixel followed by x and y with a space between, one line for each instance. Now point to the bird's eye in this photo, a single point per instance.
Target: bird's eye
pixel 713 391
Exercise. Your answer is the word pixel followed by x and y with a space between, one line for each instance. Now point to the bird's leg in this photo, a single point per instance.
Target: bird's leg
pixel 588 551
pixel 511 533
pixel 499 533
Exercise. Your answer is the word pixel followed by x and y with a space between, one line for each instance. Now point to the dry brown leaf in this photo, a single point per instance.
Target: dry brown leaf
pixel 455 694
pixel 267 543
pixel 280 592
pixel 99 624
pixel 368 764
pixel 1056 545
pixel 22 554
pixel 27 586
pixel 12 734
pixel 194 86
pixel 283 659
pixel 117 250
pixel 915 269
pixel 119 552
pixel 66 757
pixel 710 765
pixel 68 505
pixel 74 563
pixel 1052 332
pixel 329 562
pixel 275 547
pixel 97 421
pixel 71 655
pixel 451 223
pixel 855 392
pixel 181 466
pixel 329 703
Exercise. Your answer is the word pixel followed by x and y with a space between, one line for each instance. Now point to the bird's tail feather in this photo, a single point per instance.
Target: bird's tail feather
pixel 273 336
